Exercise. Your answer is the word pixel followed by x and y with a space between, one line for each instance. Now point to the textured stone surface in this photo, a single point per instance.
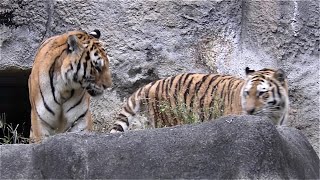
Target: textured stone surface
pixel 16 162
pixel 147 40
pixel 23 27
pixel 231 147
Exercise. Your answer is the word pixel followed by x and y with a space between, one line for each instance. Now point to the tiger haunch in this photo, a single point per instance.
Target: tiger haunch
pixel 67 70
pixel 207 96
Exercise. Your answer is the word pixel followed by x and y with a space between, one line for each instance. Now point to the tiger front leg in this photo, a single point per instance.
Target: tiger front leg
pixel 82 124
pixel 39 128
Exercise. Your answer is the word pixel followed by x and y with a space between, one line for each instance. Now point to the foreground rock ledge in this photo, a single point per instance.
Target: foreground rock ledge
pixel 230 147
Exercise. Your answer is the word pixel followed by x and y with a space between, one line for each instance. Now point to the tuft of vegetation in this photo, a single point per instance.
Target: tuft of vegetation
pixel 184 113
pixel 11 135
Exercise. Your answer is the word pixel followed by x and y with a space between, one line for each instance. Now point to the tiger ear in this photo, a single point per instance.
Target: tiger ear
pixel 72 43
pixel 249 71
pixel 95 33
pixel 280 76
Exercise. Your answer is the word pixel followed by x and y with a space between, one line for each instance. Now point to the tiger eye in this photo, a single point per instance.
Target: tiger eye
pixel 261 93
pixel 246 93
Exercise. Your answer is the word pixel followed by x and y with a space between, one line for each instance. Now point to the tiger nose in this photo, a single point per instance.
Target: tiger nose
pixel 250 111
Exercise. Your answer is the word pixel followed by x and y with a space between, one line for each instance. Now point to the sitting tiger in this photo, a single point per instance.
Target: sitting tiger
pixel 198 97
pixel 67 70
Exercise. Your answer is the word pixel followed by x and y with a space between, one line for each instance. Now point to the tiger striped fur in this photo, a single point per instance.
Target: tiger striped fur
pixel 208 96
pixel 67 70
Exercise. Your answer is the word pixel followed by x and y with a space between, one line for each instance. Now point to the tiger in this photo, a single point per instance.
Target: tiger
pixel 172 101
pixel 67 70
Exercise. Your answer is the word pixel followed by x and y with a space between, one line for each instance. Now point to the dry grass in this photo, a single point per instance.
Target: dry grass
pixel 11 135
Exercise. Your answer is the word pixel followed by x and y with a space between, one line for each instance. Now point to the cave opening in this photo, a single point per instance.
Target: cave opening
pixel 15 107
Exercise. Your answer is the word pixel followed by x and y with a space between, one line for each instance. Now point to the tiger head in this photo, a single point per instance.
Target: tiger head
pixel 265 93
pixel 89 62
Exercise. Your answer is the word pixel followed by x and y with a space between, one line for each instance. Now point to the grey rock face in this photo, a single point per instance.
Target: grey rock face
pixel 16 162
pixel 151 40
pixel 230 147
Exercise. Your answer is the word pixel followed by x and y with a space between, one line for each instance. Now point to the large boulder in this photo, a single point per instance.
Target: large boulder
pixel 230 147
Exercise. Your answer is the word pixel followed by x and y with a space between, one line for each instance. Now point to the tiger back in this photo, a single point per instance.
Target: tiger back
pixel 193 97
pixel 67 70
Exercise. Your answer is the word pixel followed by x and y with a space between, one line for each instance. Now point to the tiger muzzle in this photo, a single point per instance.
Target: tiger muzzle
pixel 250 111
pixel 94 91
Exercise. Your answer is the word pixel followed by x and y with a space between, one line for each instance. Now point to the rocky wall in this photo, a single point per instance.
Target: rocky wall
pixel 147 40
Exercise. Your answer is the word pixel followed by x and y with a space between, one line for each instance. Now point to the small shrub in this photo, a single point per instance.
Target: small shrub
pixel 190 115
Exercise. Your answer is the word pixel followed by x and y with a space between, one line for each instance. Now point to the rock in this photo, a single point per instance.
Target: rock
pixel 17 162
pixel 230 147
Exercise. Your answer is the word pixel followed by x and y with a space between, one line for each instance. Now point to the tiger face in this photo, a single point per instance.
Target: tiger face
pixel 265 93
pixel 93 72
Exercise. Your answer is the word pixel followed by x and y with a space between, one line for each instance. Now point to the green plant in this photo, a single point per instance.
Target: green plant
pixel 192 115
pixel 217 110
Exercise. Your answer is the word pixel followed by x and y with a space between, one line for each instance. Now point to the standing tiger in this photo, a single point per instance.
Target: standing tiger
pixel 179 99
pixel 67 70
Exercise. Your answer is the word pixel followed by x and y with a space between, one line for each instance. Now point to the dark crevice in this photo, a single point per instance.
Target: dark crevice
pixel 49 19
pixel 6 18
pixel 14 104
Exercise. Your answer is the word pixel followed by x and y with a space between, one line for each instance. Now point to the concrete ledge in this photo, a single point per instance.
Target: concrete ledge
pixel 230 147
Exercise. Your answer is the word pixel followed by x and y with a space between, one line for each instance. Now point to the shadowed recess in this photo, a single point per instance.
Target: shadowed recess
pixel 14 102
